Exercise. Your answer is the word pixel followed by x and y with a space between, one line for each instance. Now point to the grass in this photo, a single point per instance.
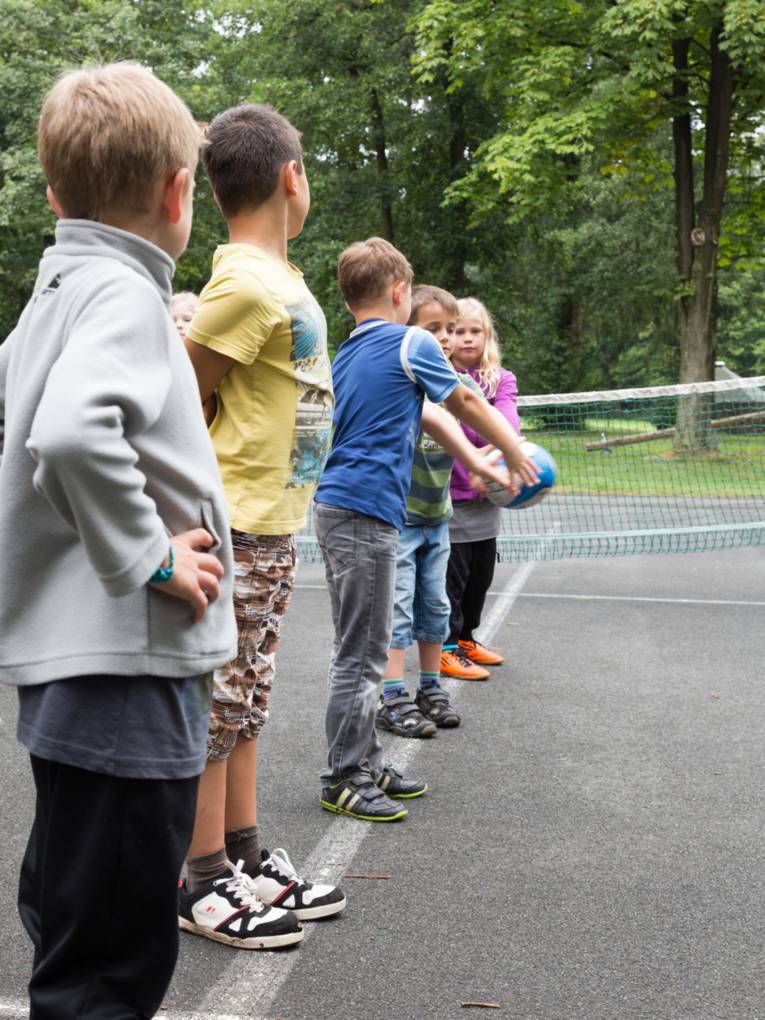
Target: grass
pixel 736 470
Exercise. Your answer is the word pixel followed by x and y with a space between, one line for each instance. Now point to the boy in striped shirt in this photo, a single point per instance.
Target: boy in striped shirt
pixel 421 606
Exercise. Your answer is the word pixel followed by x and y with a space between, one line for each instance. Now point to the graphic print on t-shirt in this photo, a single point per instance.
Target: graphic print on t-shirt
pixel 315 403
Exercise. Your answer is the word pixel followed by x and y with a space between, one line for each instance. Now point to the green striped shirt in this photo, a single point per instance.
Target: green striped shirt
pixel 429 503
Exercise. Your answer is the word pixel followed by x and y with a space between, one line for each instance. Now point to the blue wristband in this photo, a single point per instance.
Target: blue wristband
pixel 163 574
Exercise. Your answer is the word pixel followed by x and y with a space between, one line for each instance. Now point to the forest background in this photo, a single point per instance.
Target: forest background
pixel 594 171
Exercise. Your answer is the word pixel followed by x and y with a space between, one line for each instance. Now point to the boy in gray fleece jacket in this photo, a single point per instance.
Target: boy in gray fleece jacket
pixel 115 579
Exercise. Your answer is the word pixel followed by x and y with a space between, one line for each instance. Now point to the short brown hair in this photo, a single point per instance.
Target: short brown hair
pixel 425 294
pixel 246 147
pixel 108 134
pixel 367 268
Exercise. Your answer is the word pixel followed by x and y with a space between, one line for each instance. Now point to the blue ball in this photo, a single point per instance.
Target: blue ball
pixel 529 494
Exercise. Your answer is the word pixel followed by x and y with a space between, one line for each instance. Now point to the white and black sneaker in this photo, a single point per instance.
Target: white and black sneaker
pixel 228 910
pixel 279 885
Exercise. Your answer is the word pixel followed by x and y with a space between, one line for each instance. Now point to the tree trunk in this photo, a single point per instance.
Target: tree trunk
pixel 457 214
pixel 698 233
pixel 378 130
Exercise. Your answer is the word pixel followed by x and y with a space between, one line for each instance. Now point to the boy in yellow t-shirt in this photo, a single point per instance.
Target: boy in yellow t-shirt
pixel 259 342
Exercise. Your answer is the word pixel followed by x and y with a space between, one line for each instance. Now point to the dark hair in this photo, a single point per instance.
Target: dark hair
pixel 425 294
pixel 367 268
pixel 245 149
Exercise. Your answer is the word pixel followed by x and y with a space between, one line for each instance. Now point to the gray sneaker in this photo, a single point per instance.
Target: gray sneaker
pixel 401 716
pixel 433 702
pixel 358 796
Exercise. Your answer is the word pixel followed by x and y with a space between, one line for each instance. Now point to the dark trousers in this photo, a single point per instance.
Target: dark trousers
pixel 468 578
pixel 98 893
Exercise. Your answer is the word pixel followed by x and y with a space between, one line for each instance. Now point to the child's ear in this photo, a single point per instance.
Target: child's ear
pixel 398 291
pixel 289 175
pixel 172 199
pixel 54 203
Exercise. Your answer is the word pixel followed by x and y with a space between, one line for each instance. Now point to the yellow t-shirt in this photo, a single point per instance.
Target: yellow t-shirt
pixel 272 428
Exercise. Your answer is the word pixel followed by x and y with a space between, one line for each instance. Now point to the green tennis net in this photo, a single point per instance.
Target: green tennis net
pixel 661 470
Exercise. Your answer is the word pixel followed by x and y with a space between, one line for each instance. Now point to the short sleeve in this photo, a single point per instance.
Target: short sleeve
pixel 236 316
pixel 429 366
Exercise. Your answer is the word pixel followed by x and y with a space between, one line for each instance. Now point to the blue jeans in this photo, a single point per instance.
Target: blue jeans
pixel 421 606
pixel 360 566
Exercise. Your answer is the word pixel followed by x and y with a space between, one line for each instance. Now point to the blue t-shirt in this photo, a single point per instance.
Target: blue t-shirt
pixel 379 381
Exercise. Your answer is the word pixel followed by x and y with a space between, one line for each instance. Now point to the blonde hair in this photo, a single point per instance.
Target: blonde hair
pixel 108 134
pixel 490 364
pixel 367 268
pixel 184 297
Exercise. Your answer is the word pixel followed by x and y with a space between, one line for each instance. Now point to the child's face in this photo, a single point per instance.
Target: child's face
pixel 182 313
pixel 441 323
pixel 470 341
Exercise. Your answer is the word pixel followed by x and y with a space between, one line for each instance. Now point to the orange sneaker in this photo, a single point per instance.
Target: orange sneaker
pixel 456 664
pixel 480 654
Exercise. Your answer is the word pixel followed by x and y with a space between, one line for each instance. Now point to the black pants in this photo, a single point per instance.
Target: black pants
pixel 468 578
pixel 99 891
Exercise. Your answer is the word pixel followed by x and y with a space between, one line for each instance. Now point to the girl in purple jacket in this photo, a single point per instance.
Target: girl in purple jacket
pixel 476 522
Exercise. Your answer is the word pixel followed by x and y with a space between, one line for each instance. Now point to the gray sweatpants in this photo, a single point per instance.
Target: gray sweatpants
pixel 360 565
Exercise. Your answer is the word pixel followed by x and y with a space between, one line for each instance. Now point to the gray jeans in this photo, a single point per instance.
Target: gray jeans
pixel 360 564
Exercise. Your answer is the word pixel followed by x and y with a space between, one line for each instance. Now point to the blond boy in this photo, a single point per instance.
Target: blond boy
pixel 108 625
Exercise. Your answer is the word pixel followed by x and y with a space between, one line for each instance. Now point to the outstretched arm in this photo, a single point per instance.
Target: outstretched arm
pixel 445 430
pixel 490 423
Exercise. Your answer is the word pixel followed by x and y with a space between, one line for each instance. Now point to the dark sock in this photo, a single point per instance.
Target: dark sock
pixel 428 680
pixel 205 869
pixel 242 845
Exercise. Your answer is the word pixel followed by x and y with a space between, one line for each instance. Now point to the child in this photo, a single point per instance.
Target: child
pixel 260 339
pixel 182 309
pixel 116 573
pixel 421 606
pixel 476 522
pixel 380 374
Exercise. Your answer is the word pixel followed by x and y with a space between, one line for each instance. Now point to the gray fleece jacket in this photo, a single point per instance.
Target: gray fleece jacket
pixel 105 456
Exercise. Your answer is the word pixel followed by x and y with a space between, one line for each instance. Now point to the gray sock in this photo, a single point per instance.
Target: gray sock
pixel 204 869
pixel 242 845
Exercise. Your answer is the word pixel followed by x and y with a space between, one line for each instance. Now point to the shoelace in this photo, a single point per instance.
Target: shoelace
pixel 464 658
pixel 241 885
pixel 281 863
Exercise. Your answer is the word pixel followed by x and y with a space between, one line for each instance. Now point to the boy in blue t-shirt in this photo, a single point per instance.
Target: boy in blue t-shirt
pixel 380 376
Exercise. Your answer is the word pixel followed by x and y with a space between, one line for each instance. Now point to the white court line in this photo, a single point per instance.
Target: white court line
pixel 641 598
pixel 18 1010
pixel 598 598
pixel 256 979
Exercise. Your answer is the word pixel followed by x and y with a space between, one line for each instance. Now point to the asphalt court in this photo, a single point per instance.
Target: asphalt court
pixel 591 843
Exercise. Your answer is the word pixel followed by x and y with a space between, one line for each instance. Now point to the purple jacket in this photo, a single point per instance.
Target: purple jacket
pixel 505 402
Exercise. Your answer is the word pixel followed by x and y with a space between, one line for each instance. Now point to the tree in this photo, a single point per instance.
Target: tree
pixel 599 80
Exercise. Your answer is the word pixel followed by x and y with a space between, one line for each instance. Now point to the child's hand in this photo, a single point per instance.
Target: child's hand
pixel 517 460
pixel 490 466
pixel 196 575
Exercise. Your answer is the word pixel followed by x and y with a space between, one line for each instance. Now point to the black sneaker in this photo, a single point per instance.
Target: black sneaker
pixel 395 785
pixel 433 702
pixel 279 885
pixel 227 910
pixel 401 716
pixel 358 796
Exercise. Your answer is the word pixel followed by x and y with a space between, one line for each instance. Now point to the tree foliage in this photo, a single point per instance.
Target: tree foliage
pixel 520 152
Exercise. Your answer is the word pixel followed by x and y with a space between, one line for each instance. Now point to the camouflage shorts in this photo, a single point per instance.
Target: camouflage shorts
pixel 264 576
